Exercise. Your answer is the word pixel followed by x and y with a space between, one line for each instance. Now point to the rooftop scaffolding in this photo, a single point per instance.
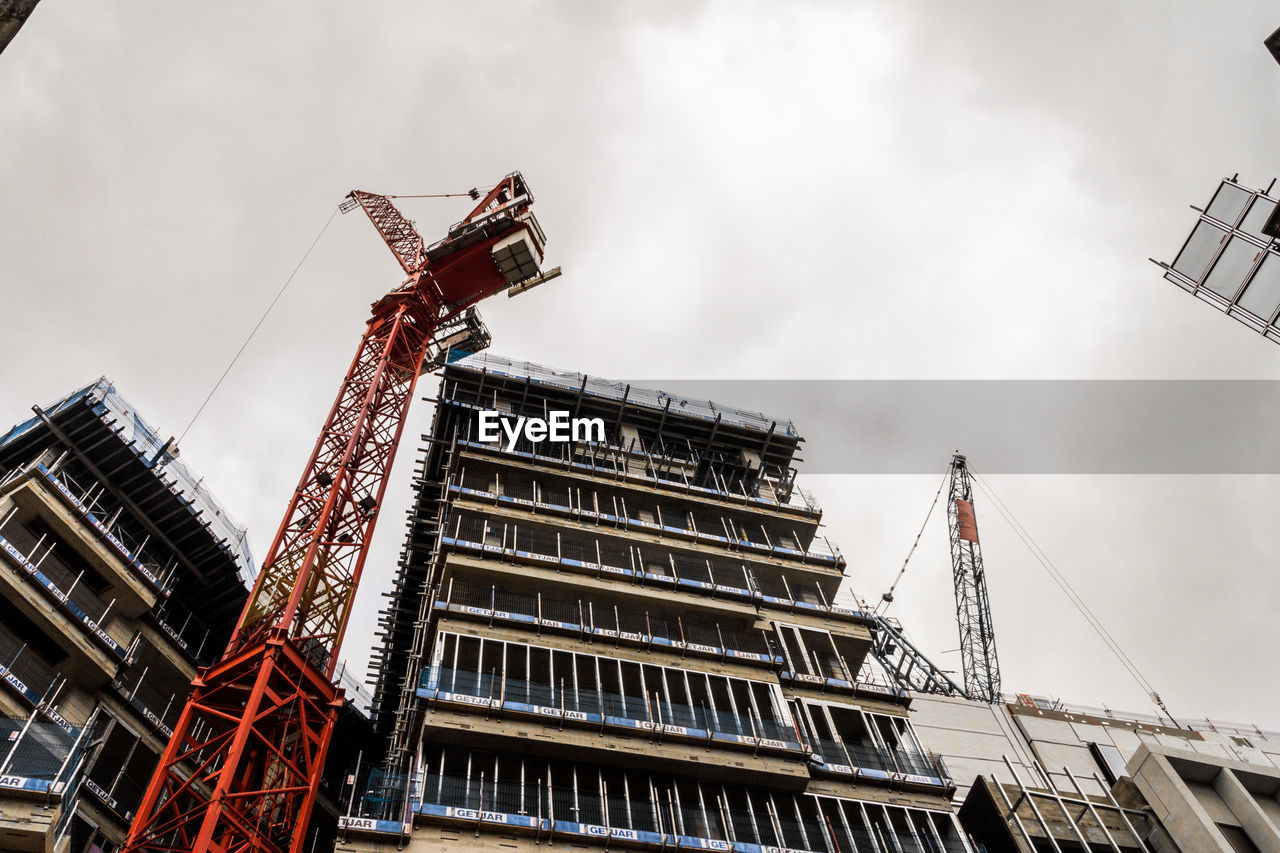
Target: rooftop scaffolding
pixel 102 398
pixel 649 398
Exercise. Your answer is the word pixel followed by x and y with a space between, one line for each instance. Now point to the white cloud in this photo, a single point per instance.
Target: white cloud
pixel 918 189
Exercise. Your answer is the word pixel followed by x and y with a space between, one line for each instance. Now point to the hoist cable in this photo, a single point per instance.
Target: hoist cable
pixel 887 599
pixel 256 327
pixel 1072 595
pixel 1021 532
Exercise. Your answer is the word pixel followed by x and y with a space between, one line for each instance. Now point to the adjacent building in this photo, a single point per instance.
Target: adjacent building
pixel 121 576
pixel 1035 774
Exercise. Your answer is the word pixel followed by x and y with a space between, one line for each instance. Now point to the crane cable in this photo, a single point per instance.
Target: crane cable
pixel 471 194
pixel 887 599
pixel 1075 598
pixel 256 327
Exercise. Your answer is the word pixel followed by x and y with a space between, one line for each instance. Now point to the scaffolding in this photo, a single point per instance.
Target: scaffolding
pixel 1036 817
pixel 622 392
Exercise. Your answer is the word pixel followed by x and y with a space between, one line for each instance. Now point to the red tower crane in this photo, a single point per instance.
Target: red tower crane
pixel 242 768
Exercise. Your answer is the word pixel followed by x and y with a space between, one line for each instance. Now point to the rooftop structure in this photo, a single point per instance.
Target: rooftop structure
pixel 1229 261
pixel 99 405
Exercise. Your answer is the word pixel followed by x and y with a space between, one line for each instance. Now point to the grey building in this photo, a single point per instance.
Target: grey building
pixel 121 574
pixel 1208 802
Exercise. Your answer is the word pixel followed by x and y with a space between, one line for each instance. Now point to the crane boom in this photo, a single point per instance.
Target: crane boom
pixel 241 771
pixel 398 233
pixel 973 610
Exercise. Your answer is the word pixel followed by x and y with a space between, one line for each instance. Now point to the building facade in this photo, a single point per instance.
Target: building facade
pixel 630 642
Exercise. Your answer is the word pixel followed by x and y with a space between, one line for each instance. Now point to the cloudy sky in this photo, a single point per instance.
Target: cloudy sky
pixel 839 190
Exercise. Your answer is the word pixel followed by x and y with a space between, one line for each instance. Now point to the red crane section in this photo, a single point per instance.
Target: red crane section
pixel 241 771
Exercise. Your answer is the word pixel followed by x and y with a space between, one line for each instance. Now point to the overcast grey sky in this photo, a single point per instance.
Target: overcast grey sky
pixel 735 190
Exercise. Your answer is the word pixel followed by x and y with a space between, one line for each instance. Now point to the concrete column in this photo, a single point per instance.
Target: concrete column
pixel 1174 804
pixel 1253 820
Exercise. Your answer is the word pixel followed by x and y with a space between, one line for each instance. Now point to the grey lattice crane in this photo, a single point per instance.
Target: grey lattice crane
pixel 973 610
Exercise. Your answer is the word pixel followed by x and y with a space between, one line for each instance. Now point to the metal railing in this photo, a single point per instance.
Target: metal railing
pixel 119 792
pixel 26 665
pixel 873 757
pixel 43 556
pixel 697 525
pixel 657 810
pixel 38 753
pixel 643 562
pixel 159 706
pixel 586 615
pixel 181 625
pixel 567 697
pixel 96 500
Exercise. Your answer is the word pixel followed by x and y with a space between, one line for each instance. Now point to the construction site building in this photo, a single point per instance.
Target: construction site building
pixel 121 576
pixel 641 640
pixel 628 641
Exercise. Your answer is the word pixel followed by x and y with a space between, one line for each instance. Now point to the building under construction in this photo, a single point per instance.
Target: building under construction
pixel 643 642
pixel 122 576
pixel 629 641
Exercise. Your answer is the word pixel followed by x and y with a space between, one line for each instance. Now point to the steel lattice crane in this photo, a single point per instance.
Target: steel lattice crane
pixel 243 766
pixel 973 610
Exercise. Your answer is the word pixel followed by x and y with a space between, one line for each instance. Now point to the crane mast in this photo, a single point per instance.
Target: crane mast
pixel 243 766
pixel 973 610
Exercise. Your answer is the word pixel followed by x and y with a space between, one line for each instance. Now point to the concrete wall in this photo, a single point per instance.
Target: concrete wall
pixel 971 737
